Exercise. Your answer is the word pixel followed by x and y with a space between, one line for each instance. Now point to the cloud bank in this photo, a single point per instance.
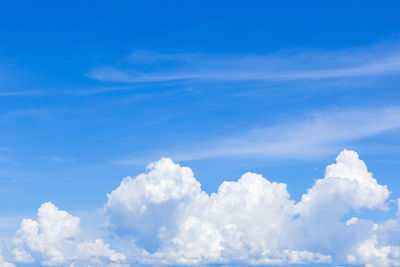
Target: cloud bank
pixel 252 220
pixel 163 217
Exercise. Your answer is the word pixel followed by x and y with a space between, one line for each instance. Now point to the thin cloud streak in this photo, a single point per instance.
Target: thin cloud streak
pixel 20 112
pixel 20 93
pixel 99 90
pixel 319 134
pixel 307 66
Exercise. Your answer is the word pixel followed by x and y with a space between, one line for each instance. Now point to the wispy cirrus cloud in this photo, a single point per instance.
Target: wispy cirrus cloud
pixel 318 134
pixel 97 90
pixel 59 159
pixel 20 112
pixel 147 66
pixel 13 93
pixel 21 93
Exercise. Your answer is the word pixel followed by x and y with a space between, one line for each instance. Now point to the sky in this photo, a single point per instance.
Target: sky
pixel 142 133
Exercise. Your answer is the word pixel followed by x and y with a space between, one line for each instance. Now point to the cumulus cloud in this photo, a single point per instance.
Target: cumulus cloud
pixel 163 217
pixel 4 263
pixel 134 205
pixel 370 253
pixel 54 239
pixel 346 182
pixel 252 220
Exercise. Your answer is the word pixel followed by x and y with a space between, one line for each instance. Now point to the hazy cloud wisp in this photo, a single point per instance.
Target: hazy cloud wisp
pixel 274 67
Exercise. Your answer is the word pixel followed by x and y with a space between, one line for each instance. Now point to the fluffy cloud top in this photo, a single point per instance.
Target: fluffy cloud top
pixel 252 220
pixel 53 238
pixel 140 207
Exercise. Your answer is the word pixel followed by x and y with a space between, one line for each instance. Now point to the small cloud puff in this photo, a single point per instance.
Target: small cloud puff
pixel 53 238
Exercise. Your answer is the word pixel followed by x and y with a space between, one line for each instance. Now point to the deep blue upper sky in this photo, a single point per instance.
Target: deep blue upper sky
pixel 92 91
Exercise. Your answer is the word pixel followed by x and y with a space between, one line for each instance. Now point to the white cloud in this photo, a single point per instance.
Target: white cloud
pixel 371 254
pixel 4 263
pixel 251 221
pixel 94 249
pixel 165 218
pixel 54 239
pixel 351 221
pixel 347 184
pixel 158 193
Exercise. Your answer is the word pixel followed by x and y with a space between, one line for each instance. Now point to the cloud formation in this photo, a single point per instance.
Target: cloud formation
pixel 54 239
pixel 252 220
pixel 163 217
pixel 4 263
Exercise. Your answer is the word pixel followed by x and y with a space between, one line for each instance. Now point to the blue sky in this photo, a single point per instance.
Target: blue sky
pixel 91 92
